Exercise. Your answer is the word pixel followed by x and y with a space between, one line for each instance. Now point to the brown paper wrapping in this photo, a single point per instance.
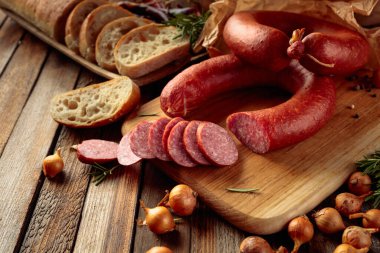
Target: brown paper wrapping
pixel 342 12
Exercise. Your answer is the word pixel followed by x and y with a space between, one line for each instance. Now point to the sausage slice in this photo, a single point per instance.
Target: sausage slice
pixel 156 131
pixel 125 155
pixel 176 147
pixel 216 144
pixel 191 144
pixel 139 140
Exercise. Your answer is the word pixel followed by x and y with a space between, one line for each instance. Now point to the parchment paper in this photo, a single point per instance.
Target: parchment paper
pixel 341 12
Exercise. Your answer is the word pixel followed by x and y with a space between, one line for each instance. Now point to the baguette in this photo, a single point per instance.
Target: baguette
pixel 95 105
pixel 47 15
pixel 110 35
pixel 93 24
pixel 75 21
pixel 148 48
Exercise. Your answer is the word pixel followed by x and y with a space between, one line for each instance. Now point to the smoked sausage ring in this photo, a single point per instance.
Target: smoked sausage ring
pixel 308 110
pixel 262 38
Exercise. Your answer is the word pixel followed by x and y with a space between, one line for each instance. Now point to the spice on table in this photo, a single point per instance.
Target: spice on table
pixel 356 116
pixel 242 190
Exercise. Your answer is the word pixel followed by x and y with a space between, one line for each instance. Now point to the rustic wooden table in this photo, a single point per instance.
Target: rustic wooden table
pixel 69 213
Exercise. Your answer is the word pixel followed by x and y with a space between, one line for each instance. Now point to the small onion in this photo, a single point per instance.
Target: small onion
pixel 358 237
pixel 348 203
pixel 329 220
pixel 182 200
pixel 371 218
pixel 53 164
pixel 359 183
pixel 301 231
pixel 347 248
pixel 256 244
pixel 159 219
pixel 159 249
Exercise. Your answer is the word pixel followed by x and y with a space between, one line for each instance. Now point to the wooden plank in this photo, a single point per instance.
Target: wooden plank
pixel 210 233
pixel 27 146
pixel 309 165
pixel 10 35
pixel 17 81
pixel 2 17
pixel 154 185
pixel 55 219
pixel 108 214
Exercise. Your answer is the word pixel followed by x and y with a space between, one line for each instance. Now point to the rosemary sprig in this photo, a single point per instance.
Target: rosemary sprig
pixel 371 165
pixel 190 25
pixel 99 173
pixel 147 115
pixel 242 190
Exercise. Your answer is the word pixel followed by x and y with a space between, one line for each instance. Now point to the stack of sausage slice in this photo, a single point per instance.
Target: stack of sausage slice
pixel 187 143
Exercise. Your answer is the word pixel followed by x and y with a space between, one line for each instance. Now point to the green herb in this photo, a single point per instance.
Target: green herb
pixel 371 165
pixel 147 115
pixel 190 25
pixel 100 172
pixel 243 190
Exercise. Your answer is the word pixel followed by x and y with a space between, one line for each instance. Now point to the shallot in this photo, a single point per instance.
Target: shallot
pixel 358 237
pixel 159 219
pixel 348 203
pixel 371 218
pixel 301 231
pixel 329 220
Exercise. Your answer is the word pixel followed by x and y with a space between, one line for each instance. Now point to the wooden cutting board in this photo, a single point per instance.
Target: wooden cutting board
pixel 293 180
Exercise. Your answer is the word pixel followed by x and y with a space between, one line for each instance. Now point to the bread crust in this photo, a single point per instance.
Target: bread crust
pixel 152 63
pixel 75 21
pixel 93 24
pixel 128 105
pixel 48 15
pixel 105 45
pixel 162 72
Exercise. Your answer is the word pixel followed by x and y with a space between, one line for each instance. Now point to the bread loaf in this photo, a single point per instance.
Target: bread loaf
pixel 148 48
pixel 110 35
pixel 75 21
pixel 93 24
pixel 95 105
pixel 48 15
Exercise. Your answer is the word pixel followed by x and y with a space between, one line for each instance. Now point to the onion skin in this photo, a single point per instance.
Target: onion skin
pixel 255 244
pixel 358 237
pixel 159 249
pixel 301 231
pixel 371 218
pixel 182 200
pixel 329 220
pixel 359 183
pixel 348 203
pixel 159 219
pixel 347 248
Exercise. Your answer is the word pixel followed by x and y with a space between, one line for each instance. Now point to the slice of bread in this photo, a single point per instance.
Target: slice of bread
pixel 75 21
pixel 148 48
pixel 110 35
pixel 93 24
pixel 95 105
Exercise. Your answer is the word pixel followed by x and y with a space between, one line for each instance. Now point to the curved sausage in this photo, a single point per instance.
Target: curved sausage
pixel 311 106
pixel 262 38
pixel 298 118
pixel 204 80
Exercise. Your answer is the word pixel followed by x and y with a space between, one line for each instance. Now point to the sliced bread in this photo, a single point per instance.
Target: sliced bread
pixel 75 21
pixel 148 48
pixel 110 35
pixel 93 24
pixel 95 105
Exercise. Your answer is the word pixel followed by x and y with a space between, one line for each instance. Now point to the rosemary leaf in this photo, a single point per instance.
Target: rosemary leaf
pixel 147 115
pixel 190 25
pixel 371 165
pixel 242 190
pixel 100 173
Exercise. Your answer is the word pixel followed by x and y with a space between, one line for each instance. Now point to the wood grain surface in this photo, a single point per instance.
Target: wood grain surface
pixel 293 180
pixel 71 214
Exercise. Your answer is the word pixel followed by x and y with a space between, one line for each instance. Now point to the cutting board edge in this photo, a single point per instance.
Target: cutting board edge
pixel 245 222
